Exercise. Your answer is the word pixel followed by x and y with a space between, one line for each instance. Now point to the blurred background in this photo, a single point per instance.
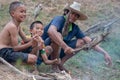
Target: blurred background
pixel 86 65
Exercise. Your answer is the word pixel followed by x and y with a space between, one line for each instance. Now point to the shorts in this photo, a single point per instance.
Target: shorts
pixel 71 44
pixel 47 41
pixel 39 59
pixel 12 56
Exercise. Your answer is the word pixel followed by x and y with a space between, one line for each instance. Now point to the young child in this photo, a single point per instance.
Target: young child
pixel 9 48
pixel 36 28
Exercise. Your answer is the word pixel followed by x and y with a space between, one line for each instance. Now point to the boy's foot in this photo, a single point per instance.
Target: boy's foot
pixel 35 72
pixel 62 68
pixel 55 70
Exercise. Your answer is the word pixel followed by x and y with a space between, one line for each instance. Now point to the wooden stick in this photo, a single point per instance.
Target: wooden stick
pixel 22 73
pixel 92 44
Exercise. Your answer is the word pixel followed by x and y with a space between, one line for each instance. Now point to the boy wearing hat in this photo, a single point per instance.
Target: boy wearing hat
pixel 59 33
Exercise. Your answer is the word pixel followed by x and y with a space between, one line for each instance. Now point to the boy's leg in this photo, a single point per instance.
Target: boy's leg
pixel 48 50
pixel 74 44
pixel 32 59
pixel 64 57
pixel 11 56
pixel 54 55
pixel 63 60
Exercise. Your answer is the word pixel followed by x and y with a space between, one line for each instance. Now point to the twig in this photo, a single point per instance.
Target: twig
pixel 33 77
pixel 22 73
pixel 95 28
pixel 92 44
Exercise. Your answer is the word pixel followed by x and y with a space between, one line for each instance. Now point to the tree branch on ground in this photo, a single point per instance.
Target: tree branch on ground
pixel 37 77
pixel 93 43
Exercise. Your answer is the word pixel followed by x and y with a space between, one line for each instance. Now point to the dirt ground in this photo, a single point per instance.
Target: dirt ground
pixel 7 74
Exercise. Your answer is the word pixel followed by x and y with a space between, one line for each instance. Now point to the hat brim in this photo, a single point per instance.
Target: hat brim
pixel 82 16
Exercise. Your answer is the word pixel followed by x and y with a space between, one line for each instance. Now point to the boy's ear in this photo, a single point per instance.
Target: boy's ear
pixel 12 13
pixel 30 30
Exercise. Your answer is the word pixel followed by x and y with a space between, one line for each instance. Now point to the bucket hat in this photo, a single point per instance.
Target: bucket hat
pixel 75 7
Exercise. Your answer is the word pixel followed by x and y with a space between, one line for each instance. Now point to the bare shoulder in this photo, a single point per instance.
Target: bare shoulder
pixel 10 27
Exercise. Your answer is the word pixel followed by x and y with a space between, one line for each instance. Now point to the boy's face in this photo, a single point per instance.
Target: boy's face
pixel 19 13
pixel 73 17
pixel 37 29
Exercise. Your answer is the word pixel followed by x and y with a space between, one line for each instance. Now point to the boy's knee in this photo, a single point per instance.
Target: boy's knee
pixel 49 49
pixel 80 43
pixel 32 59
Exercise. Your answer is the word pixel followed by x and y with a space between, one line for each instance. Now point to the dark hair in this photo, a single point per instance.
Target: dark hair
pixel 14 5
pixel 35 22
pixel 66 11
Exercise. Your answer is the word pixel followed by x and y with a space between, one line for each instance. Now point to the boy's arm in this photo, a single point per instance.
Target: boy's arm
pixel 57 38
pixel 14 40
pixel 48 62
pixel 23 36
pixel 13 36
pixel 45 59
pixel 100 50
pixel 32 43
pixel 22 47
pixel 106 55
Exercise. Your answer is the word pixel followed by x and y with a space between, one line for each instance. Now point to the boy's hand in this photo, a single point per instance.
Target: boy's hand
pixel 108 60
pixel 57 61
pixel 36 38
pixel 39 41
pixel 68 50
pixel 34 42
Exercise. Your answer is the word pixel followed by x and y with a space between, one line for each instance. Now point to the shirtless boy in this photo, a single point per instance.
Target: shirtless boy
pixel 9 48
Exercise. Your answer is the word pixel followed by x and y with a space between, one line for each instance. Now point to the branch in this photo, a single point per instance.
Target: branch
pixel 58 76
pixel 97 27
pixel 94 29
pixel 93 43
pixel 22 73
